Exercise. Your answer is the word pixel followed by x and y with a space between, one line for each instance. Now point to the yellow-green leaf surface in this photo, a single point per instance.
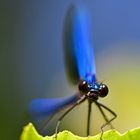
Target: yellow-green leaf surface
pixel 29 133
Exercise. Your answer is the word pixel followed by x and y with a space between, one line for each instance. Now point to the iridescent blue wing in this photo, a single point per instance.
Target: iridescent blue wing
pixel 79 53
pixel 68 46
pixel 79 58
pixel 40 108
pixel 82 46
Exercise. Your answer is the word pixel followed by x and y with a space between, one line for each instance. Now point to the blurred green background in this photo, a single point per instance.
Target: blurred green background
pixel 31 61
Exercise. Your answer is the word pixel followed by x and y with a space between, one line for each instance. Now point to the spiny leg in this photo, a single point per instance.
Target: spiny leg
pixel 73 106
pixel 89 116
pixel 45 123
pixel 109 121
pixel 104 115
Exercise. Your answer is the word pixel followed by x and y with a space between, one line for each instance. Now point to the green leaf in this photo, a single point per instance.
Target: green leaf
pixel 29 133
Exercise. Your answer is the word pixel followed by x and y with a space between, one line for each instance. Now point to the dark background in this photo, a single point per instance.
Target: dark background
pixel 31 61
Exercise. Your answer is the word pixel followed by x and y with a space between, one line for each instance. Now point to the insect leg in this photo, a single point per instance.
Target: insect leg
pixel 73 106
pixel 45 123
pixel 108 121
pixel 89 116
pixel 104 115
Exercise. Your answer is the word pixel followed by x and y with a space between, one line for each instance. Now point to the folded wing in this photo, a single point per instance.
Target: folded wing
pixel 40 108
pixel 78 50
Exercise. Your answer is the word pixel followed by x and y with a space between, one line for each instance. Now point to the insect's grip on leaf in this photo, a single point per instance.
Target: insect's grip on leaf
pixel 30 133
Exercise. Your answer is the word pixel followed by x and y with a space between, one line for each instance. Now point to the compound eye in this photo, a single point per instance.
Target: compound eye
pixel 83 86
pixel 103 90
